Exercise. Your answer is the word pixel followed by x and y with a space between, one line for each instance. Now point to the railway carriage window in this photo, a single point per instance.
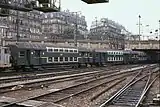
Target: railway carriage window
pixel 86 54
pixel 70 50
pixel 49 50
pixel 37 53
pixel 55 50
pixel 71 58
pixel 55 59
pixel 66 59
pixel 6 51
pixel 96 55
pixel 66 50
pixel 121 58
pixel 21 53
pixel 75 51
pixel 90 54
pixel 60 50
pixel 50 59
pixel 75 58
pixel 81 54
pixel 61 59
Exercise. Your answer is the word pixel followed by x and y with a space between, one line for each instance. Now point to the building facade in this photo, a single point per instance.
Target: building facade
pixel 63 25
pixel 21 25
pixel 105 29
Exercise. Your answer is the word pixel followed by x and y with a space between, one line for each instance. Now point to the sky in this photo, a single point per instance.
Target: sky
pixel 125 12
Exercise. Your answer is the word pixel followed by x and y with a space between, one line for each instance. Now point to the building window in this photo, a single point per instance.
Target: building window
pixel 21 53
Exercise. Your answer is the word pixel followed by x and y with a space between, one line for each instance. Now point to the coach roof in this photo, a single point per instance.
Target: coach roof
pixel 36 46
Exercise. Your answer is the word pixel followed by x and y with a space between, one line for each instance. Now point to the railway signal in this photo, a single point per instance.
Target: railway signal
pixel 95 1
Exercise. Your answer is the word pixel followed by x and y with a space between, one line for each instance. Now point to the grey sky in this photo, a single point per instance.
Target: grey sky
pixel 124 12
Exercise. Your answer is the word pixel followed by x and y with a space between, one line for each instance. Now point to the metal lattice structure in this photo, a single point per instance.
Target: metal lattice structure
pixel 29 5
pixel 95 1
pixel 46 5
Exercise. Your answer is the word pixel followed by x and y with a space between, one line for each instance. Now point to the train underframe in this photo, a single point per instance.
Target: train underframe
pixel 71 65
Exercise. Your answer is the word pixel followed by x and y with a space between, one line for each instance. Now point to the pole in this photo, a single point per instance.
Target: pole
pixel 75 34
pixel 17 25
pixel 139 27
pixel 159 56
pixel 159 32
pixel 96 25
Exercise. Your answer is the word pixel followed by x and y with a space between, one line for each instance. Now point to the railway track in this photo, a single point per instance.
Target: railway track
pixel 26 77
pixel 32 76
pixel 101 75
pixel 67 92
pixel 44 82
pixel 133 93
pixel 74 87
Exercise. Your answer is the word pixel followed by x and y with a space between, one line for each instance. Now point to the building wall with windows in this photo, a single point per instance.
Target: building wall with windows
pixel 105 29
pixel 25 24
pixel 63 25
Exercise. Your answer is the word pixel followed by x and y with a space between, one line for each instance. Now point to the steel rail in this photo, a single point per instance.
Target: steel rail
pixel 47 93
pixel 130 83
pixel 119 92
pixel 145 91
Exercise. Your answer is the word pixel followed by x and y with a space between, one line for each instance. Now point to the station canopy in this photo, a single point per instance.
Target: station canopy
pixel 95 1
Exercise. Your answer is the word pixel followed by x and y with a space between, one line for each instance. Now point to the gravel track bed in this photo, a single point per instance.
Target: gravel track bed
pixel 52 85
pixel 154 90
pixel 54 96
pixel 23 94
pixel 109 93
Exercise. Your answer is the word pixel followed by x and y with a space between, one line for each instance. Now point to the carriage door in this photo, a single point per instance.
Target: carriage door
pixel 28 57
pixel 38 56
